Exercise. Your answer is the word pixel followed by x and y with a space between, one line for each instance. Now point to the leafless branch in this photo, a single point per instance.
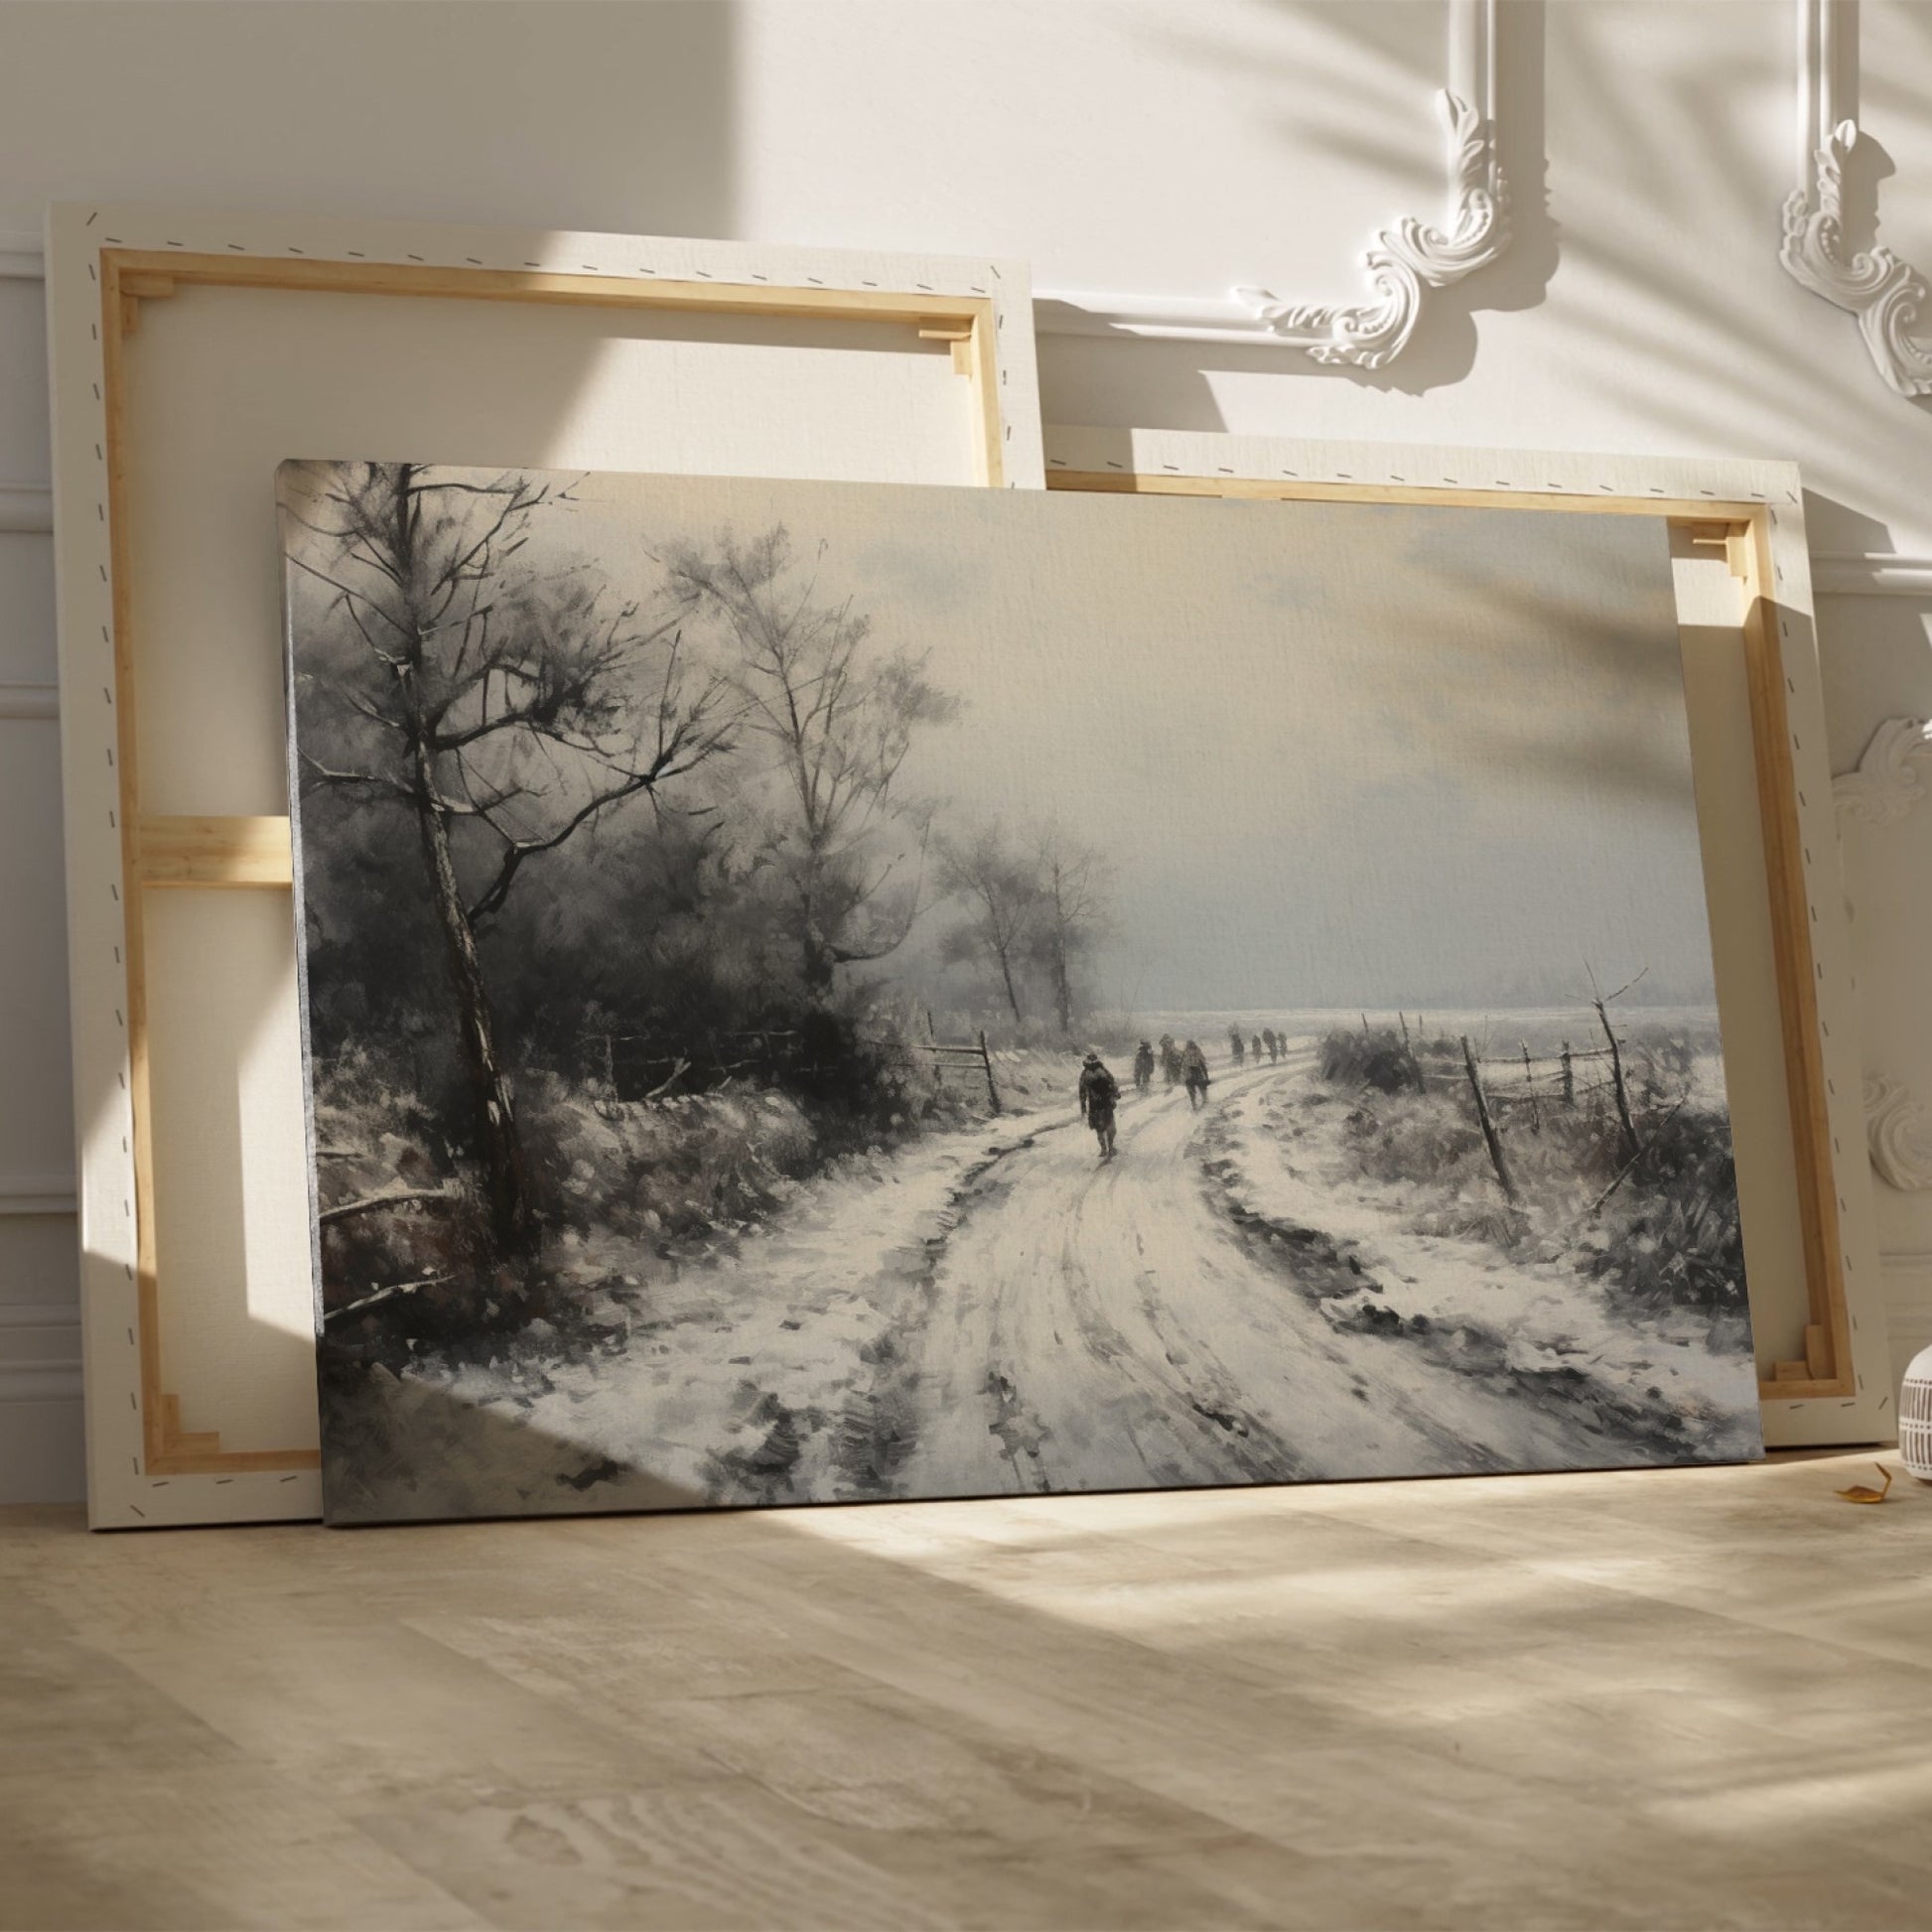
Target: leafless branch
pixel 398 1198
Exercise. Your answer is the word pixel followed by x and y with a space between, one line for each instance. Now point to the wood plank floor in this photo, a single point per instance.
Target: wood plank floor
pixel 1684 1699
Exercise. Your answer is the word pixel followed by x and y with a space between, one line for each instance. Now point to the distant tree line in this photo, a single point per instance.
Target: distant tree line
pixel 1032 907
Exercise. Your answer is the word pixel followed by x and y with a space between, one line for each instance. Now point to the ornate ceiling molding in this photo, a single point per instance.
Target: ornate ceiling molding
pixel 1887 295
pixel 1406 262
pixel 1886 784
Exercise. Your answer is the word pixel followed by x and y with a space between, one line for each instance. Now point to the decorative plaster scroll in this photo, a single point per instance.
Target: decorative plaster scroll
pixel 1887 295
pixel 1405 262
pixel 1409 260
pixel 1899 1135
pixel 1886 784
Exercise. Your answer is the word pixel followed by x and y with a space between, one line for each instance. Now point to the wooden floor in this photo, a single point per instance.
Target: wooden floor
pixel 1689 1699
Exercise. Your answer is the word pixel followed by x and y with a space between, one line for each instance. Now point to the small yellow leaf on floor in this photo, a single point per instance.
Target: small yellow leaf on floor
pixel 1861 1493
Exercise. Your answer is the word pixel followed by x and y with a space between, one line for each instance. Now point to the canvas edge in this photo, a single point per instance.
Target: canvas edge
pixel 1866 1415
pixel 298 896
pixel 120 1493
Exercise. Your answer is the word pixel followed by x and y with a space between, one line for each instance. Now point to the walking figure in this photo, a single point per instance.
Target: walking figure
pixel 1144 1066
pixel 1272 1041
pixel 1254 1047
pixel 1193 1069
pixel 1099 1096
pixel 1237 1045
pixel 1169 1061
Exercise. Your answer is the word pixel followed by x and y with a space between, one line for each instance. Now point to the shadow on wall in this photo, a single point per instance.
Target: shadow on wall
pixel 1750 360
pixel 1349 115
pixel 501 114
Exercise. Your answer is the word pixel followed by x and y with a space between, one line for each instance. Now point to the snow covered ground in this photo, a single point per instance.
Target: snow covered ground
pixel 995 1309
pixel 1277 1152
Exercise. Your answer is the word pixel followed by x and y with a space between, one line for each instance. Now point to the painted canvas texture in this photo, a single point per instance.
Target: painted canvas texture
pixel 830 992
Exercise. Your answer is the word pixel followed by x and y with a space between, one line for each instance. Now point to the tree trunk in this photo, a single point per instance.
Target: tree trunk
pixel 815 967
pixel 506 1174
pixel 1013 998
pixel 816 960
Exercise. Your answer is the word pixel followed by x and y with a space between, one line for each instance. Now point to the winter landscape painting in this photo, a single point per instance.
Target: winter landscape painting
pixel 829 992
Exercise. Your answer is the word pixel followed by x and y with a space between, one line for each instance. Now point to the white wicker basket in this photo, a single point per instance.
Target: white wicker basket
pixel 1915 1417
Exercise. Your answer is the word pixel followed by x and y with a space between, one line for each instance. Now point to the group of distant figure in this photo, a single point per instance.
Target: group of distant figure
pixel 1182 1064
pixel 1268 1041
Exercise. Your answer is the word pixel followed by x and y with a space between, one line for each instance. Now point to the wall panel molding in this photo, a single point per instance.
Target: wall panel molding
pixel 20 256
pixel 1406 262
pixel 30 701
pixel 1870 573
pixel 40 1351
pixel 1886 294
pixel 27 507
pixel 37 1194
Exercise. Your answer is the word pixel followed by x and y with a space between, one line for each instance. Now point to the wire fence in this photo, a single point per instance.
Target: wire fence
pixel 1511 1090
pixel 644 1066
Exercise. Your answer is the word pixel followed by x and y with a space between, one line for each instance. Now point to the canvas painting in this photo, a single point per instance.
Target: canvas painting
pixel 827 992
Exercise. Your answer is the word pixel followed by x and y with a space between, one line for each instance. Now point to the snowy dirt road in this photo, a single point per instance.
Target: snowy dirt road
pixel 1109 1325
pixel 997 1310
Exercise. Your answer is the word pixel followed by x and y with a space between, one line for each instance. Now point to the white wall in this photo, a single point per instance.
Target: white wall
pixel 1177 146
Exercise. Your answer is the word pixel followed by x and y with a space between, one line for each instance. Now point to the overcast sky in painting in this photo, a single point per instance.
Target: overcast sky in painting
pixel 1336 755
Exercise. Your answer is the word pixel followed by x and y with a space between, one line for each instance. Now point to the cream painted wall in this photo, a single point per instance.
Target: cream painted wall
pixel 1157 146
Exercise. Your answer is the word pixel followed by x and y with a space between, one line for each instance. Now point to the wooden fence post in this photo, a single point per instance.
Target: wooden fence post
pixel 1529 1080
pixel 1409 1052
pixel 1569 1078
pixel 992 1092
pixel 1632 1143
pixel 1491 1139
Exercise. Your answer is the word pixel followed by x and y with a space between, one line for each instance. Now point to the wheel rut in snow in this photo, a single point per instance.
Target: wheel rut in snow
pixel 1052 1352
pixel 878 1426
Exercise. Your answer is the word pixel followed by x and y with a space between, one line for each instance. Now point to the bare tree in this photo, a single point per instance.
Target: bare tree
pixel 500 708
pixel 1003 905
pixel 1074 910
pixel 840 717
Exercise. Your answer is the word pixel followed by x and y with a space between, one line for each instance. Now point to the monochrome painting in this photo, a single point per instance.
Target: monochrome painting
pixel 831 992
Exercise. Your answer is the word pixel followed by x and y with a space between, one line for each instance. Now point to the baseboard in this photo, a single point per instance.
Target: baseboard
pixel 42 1458
pixel 42 1453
